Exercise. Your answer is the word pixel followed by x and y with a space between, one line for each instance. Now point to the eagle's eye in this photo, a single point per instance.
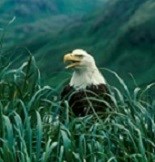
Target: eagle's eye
pixel 80 56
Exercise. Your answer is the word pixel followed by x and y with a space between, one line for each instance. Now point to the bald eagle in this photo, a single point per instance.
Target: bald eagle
pixel 87 89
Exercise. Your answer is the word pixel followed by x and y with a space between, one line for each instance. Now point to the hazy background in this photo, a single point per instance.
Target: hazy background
pixel 120 34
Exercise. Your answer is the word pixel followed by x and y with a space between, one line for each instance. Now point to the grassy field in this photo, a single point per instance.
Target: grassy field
pixel 30 130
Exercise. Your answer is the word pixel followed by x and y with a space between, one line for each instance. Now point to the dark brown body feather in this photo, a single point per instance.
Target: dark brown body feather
pixel 82 102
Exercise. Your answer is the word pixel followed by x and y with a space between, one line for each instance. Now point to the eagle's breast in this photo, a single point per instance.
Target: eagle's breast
pixel 85 101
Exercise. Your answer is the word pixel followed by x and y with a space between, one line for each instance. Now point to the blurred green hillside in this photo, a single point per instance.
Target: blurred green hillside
pixel 119 33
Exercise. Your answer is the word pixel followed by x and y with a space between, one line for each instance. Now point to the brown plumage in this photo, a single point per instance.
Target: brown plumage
pixel 85 101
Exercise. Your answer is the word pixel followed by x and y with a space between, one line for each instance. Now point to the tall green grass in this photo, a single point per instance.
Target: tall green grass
pixel 30 130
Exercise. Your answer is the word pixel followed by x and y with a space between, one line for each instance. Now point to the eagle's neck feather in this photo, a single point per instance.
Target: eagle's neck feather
pixel 83 78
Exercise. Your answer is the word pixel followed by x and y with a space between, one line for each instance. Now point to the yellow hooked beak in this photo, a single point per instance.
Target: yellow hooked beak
pixel 73 60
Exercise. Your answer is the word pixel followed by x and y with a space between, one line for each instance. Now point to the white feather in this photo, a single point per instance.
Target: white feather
pixel 87 73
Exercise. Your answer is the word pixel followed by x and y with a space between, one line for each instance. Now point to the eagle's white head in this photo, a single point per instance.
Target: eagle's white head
pixel 86 72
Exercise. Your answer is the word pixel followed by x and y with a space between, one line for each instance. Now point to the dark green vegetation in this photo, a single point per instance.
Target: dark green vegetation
pixel 121 37
pixel 119 33
pixel 31 132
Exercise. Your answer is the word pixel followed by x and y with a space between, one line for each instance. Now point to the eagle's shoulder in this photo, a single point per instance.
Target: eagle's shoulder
pixel 100 88
pixel 67 90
